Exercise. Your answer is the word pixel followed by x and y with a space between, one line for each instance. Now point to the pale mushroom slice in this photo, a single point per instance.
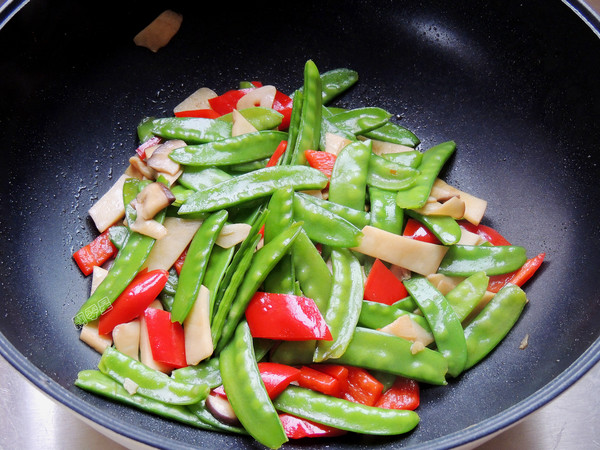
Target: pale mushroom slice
pixel 454 207
pixel 197 100
pixel 159 157
pixel 160 31
pixel 474 207
pixel 262 96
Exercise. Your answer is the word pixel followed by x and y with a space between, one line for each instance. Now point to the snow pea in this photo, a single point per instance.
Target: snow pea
pixel 360 120
pixel 348 182
pixel 98 383
pixel 356 217
pixel 253 185
pixel 344 305
pixel 445 228
pixel 493 323
pixel 467 294
pixel 443 321
pixel 233 150
pixel 194 266
pixel 150 383
pixel 259 117
pixel 465 260
pixel 216 268
pixel 236 169
pixel 376 315
pixel 388 175
pixel 144 129
pixel 198 178
pixel 336 81
pixel 384 212
pixel 431 165
pixel 288 154
pixel 167 295
pixel 192 130
pixel 344 414
pixel 410 158
pixel 206 372
pixel 394 133
pixel 246 391
pixel 328 127
pixel 118 235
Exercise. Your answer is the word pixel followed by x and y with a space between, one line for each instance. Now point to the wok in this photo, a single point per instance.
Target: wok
pixel 514 83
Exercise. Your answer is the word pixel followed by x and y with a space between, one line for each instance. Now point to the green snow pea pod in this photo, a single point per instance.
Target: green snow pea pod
pixel 144 129
pixel 127 264
pixel 293 129
pixel 360 120
pixel 181 194
pixel 325 227
pixel 198 178
pixel 192 130
pixel 336 81
pixel 118 235
pixel 259 117
pixel 467 294
pixel 96 382
pixel 356 217
pixel 384 212
pixel 263 261
pixel 388 175
pixel 233 150
pixel 494 322
pixel 348 182
pixel 445 228
pixel 431 165
pixel 206 372
pixel 236 169
pixel 376 315
pixel 443 321
pixel 194 266
pixel 309 129
pixel 344 305
pixel 218 262
pixel 410 158
pixel 246 391
pixel 394 133
pixel 150 383
pixel 328 127
pixel 253 185
pixel 344 414
pixel 465 260
pixel 167 295
pixel 375 350
pixel 407 304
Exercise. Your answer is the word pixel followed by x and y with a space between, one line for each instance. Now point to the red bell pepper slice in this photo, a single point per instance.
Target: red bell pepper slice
pixel 167 339
pixel 227 102
pixel 280 150
pixel 277 377
pixel 141 150
pixel 320 382
pixel 134 300
pixel 298 428
pixel 285 317
pixel 403 394
pixel 323 161
pixel 96 253
pixel 419 232
pixel 205 113
pixel 518 277
pixel 362 387
pixel 383 286
pixel 179 262
pixel 488 233
pixel 338 371
pixel 283 104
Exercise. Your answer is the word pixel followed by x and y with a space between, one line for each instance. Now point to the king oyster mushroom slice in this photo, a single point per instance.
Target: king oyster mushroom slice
pixel 152 199
pixel 159 159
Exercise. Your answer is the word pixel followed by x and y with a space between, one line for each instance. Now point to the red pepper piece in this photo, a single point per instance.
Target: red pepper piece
pixel 256 84
pixel 362 387
pixel 277 377
pixel 320 382
pixel 283 104
pixel 419 232
pixel 179 262
pixel 280 150
pixel 285 317
pixel 488 233
pixel 141 150
pixel 95 253
pixel 298 428
pixel 227 102
pixel 167 340
pixel 202 113
pixel 320 160
pixel 220 391
pixel 134 300
pixel 403 394
pixel 338 371
pixel 518 277
pixel 383 286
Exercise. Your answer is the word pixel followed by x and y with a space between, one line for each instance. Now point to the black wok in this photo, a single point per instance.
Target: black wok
pixel 514 83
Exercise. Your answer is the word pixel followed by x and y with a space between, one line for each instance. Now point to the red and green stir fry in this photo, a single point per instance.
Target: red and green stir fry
pixel 276 266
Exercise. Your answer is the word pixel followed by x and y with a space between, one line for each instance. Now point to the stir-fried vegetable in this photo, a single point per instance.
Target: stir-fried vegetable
pixel 285 268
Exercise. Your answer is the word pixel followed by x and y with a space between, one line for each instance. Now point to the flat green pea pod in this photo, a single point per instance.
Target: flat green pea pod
pixel 394 133
pixel 206 372
pixel 246 391
pixel 467 294
pixel 192 130
pixel 253 185
pixel 376 315
pixel 236 169
pixel 465 260
pixel 344 414
pixel 325 227
pixel 118 235
pixel 356 217
pixel 348 182
pixel 376 350
pixel 233 150
pixel 344 305
pixel 445 228
pixel 384 212
pixel 443 321
pixel 288 155
pixel 328 127
pixel 309 128
pixel 335 82
pixel 410 158
pixel 259 117
pixel 198 178
pixel 432 163
pixel 359 121
pixel 144 129
pixel 194 266
pixel 493 323
pixel 128 262
pixel 96 382
pixel 216 268
pixel 388 175
pixel 149 383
